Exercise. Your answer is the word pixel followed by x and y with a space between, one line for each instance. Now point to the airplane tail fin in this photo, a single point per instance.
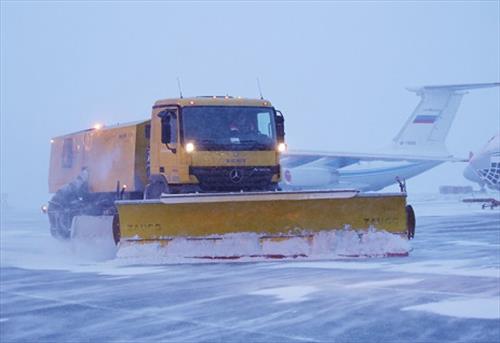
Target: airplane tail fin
pixel 426 129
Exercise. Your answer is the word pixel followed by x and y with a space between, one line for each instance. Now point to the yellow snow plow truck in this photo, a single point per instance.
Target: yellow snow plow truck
pixel 205 170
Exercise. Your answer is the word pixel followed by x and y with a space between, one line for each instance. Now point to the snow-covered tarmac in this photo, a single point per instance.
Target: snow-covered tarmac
pixel 448 289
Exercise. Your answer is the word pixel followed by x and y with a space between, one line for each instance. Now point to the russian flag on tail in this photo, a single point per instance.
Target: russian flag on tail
pixel 425 119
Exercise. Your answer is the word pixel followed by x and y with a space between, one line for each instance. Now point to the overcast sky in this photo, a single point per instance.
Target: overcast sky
pixel 337 70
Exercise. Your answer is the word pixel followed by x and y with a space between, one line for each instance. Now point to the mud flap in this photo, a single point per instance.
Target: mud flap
pixel 410 221
pixel 94 237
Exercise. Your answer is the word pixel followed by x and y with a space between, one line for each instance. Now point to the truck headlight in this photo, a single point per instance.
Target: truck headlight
pixel 189 147
pixel 281 147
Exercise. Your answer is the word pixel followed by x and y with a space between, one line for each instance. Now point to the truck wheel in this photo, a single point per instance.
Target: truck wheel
pixel 60 222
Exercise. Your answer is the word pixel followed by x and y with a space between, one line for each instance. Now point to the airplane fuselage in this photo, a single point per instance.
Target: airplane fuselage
pixel 364 175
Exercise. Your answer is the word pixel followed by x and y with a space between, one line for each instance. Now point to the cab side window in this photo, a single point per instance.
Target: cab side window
pixel 169 128
pixel 173 127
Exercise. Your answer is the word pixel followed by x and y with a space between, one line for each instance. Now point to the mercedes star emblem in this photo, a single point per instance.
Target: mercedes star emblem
pixel 235 175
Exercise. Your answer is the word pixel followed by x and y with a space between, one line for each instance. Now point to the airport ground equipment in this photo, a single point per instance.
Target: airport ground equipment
pixel 485 202
pixel 201 168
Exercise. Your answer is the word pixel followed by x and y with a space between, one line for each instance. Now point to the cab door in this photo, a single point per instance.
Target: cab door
pixel 165 144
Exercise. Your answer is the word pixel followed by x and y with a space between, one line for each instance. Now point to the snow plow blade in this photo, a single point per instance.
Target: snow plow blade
pixel 262 217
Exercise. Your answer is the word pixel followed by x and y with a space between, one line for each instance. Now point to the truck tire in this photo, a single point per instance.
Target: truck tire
pixel 60 222
pixel 66 203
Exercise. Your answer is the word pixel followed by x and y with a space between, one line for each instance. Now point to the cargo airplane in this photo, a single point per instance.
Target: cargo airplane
pixel 419 146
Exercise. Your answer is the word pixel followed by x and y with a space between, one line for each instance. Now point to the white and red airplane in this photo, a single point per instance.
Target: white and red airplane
pixel 484 169
pixel 484 166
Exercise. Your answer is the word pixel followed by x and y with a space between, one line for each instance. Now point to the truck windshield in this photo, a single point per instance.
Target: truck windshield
pixel 229 127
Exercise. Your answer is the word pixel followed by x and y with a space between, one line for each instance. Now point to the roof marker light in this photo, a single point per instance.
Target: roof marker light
pixel 97 126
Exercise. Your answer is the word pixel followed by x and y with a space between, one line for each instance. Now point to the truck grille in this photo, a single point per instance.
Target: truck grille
pixel 231 179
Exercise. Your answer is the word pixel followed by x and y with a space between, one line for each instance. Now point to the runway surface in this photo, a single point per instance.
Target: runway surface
pixel 447 289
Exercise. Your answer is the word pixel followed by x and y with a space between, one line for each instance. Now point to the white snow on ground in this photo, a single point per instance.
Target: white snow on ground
pixel 440 267
pixel 323 245
pixel 481 308
pixel 475 243
pixel 42 252
pixel 447 267
pixel 446 205
pixel 288 294
pixel 386 283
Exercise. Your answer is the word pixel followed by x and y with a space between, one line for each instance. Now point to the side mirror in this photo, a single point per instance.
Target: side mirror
pixel 280 126
pixel 165 130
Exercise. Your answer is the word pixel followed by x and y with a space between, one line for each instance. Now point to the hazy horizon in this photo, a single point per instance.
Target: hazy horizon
pixel 337 70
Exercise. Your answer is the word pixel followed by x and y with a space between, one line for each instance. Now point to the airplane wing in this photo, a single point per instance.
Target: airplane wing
pixel 293 159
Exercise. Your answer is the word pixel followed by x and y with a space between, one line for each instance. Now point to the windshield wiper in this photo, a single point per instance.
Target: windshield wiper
pixel 256 144
pixel 212 144
pixel 209 144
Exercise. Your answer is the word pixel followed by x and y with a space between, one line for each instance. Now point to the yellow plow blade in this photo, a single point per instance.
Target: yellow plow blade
pixel 266 219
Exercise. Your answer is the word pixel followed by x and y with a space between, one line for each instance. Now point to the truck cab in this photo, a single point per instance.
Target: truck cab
pixel 214 144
